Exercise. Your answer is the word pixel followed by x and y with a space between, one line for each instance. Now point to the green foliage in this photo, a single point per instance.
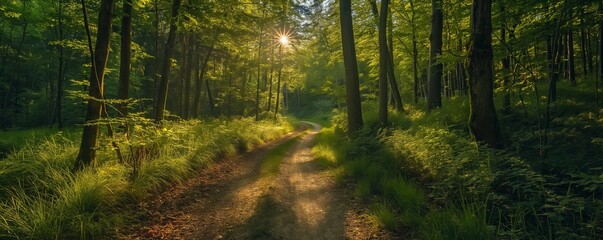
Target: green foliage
pixel 385 216
pixel 465 191
pixel 469 222
pixel 406 196
pixel 14 139
pixel 41 198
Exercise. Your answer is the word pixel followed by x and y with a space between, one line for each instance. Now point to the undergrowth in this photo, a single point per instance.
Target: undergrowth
pixel 40 197
pixel 16 138
pixel 427 175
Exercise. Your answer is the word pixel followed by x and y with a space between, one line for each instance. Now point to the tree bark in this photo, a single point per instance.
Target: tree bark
pixel 354 108
pixel 278 80
pixel 391 74
pixel 57 114
pixel 165 71
pixel 415 54
pixel 87 151
pixel 383 59
pixel 395 98
pixel 506 64
pixel 434 99
pixel 186 109
pixel 199 84
pixel 257 87
pixel 270 81
pixel 482 120
pixel 571 68
pixel 210 98
pixel 601 41
pixel 126 56
pixel 583 52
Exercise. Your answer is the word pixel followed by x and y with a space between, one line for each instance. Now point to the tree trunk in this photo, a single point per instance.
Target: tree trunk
pixel 99 58
pixel 278 80
pixel 434 99
pixel 270 80
pixel 165 71
pixel 354 108
pixel 257 87
pixel 383 59
pixel 156 60
pixel 195 76
pixel 598 80
pixel 178 100
pixel 199 84
pixel 415 54
pixel 57 114
pixel 506 64
pixel 590 51
pixel 552 55
pixel 186 108
pixel 482 120
pixel 210 98
pixel 126 56
pixel 583 47
pixel 391 69
pixel 571 69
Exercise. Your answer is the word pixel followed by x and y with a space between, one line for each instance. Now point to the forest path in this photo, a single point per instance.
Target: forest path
pixel 241 198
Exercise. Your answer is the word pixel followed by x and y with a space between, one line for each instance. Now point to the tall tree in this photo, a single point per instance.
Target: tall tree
pixel 126 55
pixel 415 54
pixel 391 75
pixel 600 79
pixel 278 80
pixel 99 57
pixel 165 68
pixel 571 68
pixel 434 98
pixel 57 114
pixel 482 120
pixel 506 62
pixel 383 59
pixel 257 87
pixel 188 71
pixel 351 67
pixel 199 82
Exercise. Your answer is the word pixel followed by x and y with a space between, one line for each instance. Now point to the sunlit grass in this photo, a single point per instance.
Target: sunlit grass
pixel 40 197
pixel 325 155
pixel 272 161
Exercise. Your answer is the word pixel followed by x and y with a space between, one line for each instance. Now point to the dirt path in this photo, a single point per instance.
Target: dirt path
pixel 235 199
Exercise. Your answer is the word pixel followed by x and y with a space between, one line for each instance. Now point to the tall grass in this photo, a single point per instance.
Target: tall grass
pixel 426 173
pixel 40 198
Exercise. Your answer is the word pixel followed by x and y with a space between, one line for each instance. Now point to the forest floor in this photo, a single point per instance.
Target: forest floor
pixel 236 198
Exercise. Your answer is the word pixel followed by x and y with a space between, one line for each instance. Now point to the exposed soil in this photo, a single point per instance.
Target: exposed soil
pixel 233 200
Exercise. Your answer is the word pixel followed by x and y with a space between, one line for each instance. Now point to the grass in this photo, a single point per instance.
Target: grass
pixel 426 174
pixel 272 161
pixel 14 139
pixel 41 198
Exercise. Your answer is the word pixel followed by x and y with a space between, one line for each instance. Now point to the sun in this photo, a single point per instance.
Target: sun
pixel 284 40
pixel 283 37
